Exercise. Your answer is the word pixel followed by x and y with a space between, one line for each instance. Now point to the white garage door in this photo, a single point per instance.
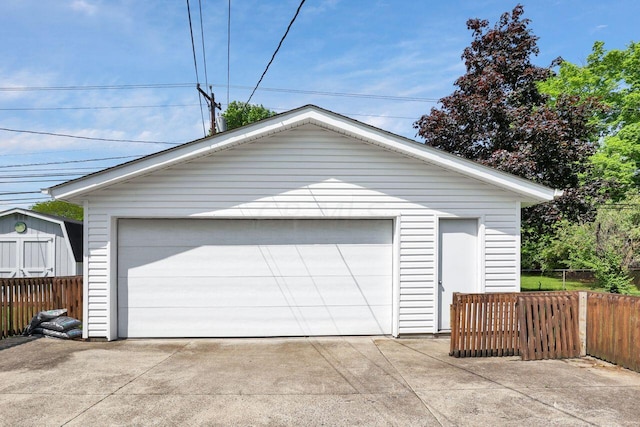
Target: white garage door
pixel 235 278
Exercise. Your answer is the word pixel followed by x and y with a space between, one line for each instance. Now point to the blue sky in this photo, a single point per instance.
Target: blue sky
pixel 409 50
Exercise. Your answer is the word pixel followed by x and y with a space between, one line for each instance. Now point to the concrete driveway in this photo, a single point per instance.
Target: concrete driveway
pixel 320 381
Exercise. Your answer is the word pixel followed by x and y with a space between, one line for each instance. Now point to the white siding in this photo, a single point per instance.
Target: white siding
pixel 310 172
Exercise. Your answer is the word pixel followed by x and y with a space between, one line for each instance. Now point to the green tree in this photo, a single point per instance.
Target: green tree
pixel 240 113
pixel 498 116
pixel 610 245
pixel 59 208
pixel 613 78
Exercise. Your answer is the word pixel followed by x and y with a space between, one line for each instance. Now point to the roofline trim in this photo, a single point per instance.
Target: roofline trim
pixel 294 118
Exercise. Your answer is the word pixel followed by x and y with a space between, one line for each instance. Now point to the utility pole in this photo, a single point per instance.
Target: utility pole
pixel 211 102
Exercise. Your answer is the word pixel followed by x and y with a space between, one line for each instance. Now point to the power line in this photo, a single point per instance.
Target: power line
pixel 275 52
pixel 97 87
pixel 266 89
pixel 195 65
pixel 228 48
pixel 39 175
pixel 85 137
pixel 71 161
pixel 31 180
pixel 204 56
pixel 106 107
pixel 18 192
pixel 348 94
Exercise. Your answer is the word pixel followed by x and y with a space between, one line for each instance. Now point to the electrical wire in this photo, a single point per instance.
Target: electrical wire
pixel 195 65
pixel 90 138
pixel 5 202
pixel 106 107
pixel 275 52
pixel 41 175
pixel 31 180
pixel 19 192
pixel 228 48
pixel 70 161
pixel 267 89
pixel 97 87
pixel 204 56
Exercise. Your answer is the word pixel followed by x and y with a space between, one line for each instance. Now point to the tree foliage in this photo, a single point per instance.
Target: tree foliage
pixel 613 78
pixel 498 116
pixel 610 245
pixel 240 113
pixel 59 208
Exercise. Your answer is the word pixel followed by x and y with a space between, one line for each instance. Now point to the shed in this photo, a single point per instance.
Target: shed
pixel 33 244
pixel 306 223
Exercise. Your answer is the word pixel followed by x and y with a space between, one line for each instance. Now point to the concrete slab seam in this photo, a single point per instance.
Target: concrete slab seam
pixel 383 369
pixel 431 411
pixel 127 383
pixel 498 383
pixel 342 375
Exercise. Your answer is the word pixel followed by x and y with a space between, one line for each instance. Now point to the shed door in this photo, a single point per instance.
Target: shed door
pixel 27 257
pixel 37 258
pixel 221 278
pixel 458 262
pixel 8 258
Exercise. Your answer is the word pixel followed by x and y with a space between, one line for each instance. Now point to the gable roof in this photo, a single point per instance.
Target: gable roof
pixel 71 229
pixel 529 191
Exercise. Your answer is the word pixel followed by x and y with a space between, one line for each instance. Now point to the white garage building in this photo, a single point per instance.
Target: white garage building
pixel 306 223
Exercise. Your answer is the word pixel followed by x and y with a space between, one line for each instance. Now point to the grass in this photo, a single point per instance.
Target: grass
pixel 536 282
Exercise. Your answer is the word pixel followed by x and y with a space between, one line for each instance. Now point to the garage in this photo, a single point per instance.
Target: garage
pixel 305 223
pixel 254 277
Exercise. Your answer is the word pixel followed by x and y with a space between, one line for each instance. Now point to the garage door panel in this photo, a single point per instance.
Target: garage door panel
pixel 361 320
pixel 207 322
pixel 222 261
pixel 248 322
pixel 323 260
pixel 347 290
pixel 369 260
pixel 374 290
pixel 284 260
pixel 201 292
pixel 254 277
pixel 199 232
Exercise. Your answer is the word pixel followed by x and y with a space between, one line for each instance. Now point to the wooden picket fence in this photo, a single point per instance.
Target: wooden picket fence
pixel 613 329
pixel 22 298
pixel 484 325
pixel 549 326
pixel 536 325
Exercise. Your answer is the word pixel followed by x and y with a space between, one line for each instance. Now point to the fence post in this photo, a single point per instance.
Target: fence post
pixel 582 322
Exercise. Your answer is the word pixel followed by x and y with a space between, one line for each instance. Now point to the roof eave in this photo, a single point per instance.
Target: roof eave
pixel 529 191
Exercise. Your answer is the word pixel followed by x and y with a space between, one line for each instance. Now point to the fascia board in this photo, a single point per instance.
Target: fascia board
pixel 77 188
pixel 308 114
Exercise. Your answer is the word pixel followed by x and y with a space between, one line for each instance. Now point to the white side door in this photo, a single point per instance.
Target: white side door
pixel 458 263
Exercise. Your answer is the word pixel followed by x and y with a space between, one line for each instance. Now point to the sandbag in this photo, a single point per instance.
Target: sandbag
pixel 70 334
pixel 43 316
pixel 61 324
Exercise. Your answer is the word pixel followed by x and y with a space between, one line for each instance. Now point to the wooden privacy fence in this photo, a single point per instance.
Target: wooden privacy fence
pixel 536 325
pixel 613 329
pixel 22 298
